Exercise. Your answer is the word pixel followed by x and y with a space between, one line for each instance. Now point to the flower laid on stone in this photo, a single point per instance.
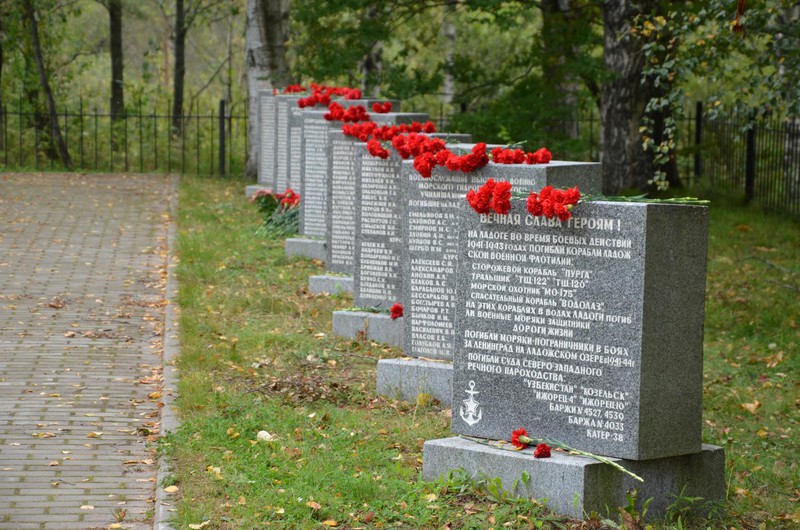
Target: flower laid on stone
pixel 551 202
pixel 492 196
pixel 321 95
pixel 375 148
pixel 336 112
pixel 396 311
pixel 501 155
pixel 367 130
pixel 520 440
pixel 382 108
pixel 542 451
pixel 294 89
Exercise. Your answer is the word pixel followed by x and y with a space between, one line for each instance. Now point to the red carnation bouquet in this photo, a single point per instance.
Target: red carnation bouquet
pixel 281 212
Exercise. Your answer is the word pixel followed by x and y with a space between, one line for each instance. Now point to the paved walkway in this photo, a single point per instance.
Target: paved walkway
pixel 82 262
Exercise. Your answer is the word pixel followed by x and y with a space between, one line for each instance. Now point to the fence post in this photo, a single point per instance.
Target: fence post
pixel 222 138
pixel 750 161
pixel 698 140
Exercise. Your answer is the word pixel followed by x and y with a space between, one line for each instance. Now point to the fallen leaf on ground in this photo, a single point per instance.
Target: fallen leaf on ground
pixel 750 407
pixel 171 489
pixel 87 507
pixel 313 505
pixel 330 522
pixel 199 525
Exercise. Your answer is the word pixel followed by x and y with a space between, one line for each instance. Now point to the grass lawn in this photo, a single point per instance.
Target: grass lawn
pixel 258 354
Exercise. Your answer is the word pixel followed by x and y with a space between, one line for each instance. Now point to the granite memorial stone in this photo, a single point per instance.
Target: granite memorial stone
pixel 343 190
pixel 431 232
pixel 284 106
pixel 588 332
pixel 378 246
pixel 267 148
pixel 312 186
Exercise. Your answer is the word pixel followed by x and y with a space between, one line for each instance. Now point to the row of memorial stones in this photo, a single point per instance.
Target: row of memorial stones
pixel 588 332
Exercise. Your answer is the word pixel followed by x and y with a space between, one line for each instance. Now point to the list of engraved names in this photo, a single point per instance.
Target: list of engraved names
pixel 540 314
pixel 380 239
pixel 315 153
pixel 342 214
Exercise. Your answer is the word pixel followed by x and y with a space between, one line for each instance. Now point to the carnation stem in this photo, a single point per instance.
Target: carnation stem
pixel 555 443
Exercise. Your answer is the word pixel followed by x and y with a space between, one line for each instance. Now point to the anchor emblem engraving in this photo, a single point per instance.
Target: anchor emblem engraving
pixel 470 410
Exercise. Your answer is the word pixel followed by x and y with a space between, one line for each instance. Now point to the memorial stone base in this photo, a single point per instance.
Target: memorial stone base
pixel 249 191
pixel 407 378
pixel 378 327
pixel 306 248
pixel 330 283
pixel 577 486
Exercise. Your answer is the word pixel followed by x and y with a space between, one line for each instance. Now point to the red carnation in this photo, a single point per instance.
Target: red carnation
pixel 396 311
pixel 547 209
pixel 429 128
pixel 572 196
pixel 542 156
pixel 542 451
pixel 290 198
pixel 452 162
pixel 519 438
pixel 424 164
pixel 534 206
pixel 560 211
pixel 375 148
pixel 442 156
pixel 481 200
pixel 501 197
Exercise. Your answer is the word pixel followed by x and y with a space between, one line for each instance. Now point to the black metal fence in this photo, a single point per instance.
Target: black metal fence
pixel 214 143
pixel 755 158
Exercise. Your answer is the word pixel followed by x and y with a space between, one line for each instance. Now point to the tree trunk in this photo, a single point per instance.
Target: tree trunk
pixel 55 131
pixel 267 66
pixel 449 34
pixel 372 63
pixel 179 69
pixel 2 99
pixel 115 48
pixel 557 49
pixel 623 100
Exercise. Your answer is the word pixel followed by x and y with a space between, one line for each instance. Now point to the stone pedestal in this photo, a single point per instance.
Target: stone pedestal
pixel 378 327
pixel 306 248
pixel 330 283
pixel 249 191
pixel 409 377
pixel 577 486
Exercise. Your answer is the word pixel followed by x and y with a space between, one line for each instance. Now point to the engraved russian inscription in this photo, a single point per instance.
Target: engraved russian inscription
pixel 342 198
pixel 283 106
pixel 380 233
pixel 560 334
pixel 266 169
pixel 315 164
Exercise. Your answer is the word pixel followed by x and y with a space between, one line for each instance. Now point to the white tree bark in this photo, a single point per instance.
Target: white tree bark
pixel 267 68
